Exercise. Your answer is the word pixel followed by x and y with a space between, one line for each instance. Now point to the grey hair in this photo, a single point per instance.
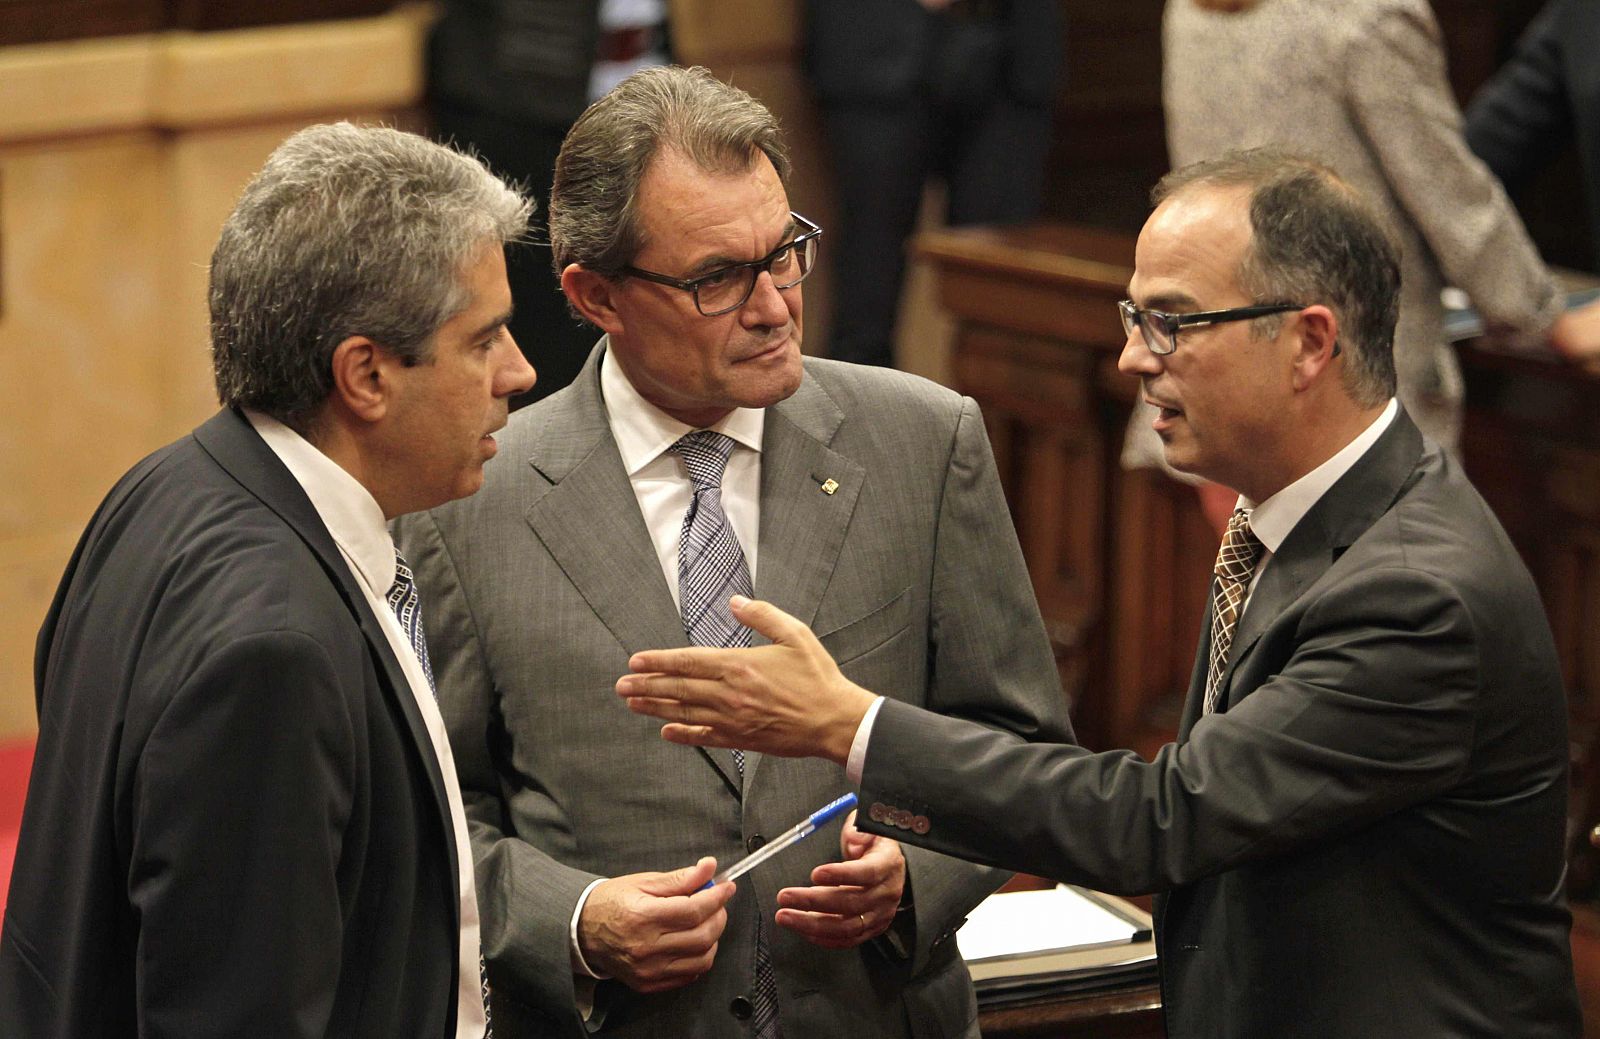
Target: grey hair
pixel 346 231
pixel 1314 239
pixel 594 219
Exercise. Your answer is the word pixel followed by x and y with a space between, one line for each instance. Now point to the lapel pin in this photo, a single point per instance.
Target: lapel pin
pixel 829 486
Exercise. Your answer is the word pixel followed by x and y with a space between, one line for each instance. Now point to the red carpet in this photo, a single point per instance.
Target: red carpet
pixel 16 760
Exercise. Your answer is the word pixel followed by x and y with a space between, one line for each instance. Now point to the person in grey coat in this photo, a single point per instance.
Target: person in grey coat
pixel 865 500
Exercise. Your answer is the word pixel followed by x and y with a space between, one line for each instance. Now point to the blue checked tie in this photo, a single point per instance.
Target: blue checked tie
pixel 711 568
pixel 407 607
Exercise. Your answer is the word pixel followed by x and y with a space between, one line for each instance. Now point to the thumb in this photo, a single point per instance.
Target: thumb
pixel 770 621
pixel 684 881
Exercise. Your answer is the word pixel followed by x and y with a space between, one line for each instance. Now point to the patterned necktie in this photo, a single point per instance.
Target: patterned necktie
pixel 1236 562
pixel 711 568
pixel 407 607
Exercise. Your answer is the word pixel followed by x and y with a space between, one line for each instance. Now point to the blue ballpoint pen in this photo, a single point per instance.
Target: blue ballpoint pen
pixel 794 834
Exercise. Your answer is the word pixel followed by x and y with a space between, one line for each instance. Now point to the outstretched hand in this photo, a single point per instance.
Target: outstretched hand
pixel 788 699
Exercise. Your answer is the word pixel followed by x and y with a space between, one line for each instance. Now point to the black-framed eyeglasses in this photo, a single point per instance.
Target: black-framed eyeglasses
pixel 726 288
pixel 1160 329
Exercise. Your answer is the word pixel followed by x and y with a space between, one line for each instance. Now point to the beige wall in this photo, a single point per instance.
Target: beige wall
pixel 119 160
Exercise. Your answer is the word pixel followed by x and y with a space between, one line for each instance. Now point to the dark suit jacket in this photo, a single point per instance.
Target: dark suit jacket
pixel 1368 841
pixel 886 50
pixel 538 588
pixel 1546 95
pixel 236 824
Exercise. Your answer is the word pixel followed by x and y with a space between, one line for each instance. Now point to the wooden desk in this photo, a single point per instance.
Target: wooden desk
pixel 1131 1014
pixel 1120 560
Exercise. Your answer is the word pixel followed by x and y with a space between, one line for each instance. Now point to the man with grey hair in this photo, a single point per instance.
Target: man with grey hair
pixel 1359 830
pixel 698 453
pixel 244 817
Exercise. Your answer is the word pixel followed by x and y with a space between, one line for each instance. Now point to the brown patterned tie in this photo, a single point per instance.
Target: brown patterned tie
pixel 1236 562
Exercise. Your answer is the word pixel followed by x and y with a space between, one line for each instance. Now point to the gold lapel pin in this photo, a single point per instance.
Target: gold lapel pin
pixel 829 486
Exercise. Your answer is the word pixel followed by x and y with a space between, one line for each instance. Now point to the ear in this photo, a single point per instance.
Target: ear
pixel 591 294
pixel 362 384
pixel 1317 329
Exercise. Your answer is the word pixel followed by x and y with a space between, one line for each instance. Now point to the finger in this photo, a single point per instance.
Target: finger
pixel 683 661
pixel 770 621
pixel 694 735
pixel 683 881
pixel 838 901
pixel 827 929
pixel 675 972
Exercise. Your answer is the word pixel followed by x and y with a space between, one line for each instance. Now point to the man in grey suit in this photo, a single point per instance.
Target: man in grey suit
pixel 863 500
pixel 1359 829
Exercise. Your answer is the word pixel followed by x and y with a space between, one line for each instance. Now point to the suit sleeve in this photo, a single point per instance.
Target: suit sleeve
pixel 1521 118
pixel 525 897
pixel 241 796
pixel 1373 712
pixel 1395 80
pixel 991 660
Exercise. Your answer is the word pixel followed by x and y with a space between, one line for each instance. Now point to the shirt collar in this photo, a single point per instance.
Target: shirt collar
pixel 1273 519
pixel 349 511
pixel 643 431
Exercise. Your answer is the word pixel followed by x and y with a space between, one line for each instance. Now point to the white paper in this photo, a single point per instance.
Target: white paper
pixel 1021 923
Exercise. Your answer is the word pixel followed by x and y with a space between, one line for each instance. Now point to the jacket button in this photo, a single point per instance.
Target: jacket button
pixel 920 824
pixel 741 1008
pixel 878 812
pixel 754 843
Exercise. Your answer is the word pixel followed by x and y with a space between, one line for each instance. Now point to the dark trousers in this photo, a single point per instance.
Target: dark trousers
pixel 991 156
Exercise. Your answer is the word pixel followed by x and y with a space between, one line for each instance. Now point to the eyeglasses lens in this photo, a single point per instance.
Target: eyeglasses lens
pixel 725 290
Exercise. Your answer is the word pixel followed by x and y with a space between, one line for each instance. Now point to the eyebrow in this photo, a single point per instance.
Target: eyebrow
pixel 717 262
pixel 492 326
pixel 1171 302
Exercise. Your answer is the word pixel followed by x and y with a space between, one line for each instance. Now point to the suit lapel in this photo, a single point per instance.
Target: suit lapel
pixel 589 521
pixel 1348 510
pixel 803 516
pixel 229 439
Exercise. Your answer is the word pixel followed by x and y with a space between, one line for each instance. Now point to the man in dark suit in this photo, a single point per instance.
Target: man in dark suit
pixel 862 499
pixel 243 817
pixel 1359 829
pixel 1547 95
pixel 908 90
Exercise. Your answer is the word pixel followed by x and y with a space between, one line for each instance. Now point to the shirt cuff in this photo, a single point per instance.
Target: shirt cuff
pixel 584 970
pixel 856 763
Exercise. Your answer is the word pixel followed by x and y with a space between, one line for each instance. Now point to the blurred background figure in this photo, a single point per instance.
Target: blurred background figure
pixel 912 89
pixel 1546 96
pixel 507 78
pixel 1362 86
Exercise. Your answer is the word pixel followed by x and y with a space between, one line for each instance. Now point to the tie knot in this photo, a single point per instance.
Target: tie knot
pixel 1241 549
pixel 705 455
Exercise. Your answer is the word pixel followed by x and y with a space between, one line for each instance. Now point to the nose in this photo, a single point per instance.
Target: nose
pixel 1136 358
pixel 515 374
pixel 766 307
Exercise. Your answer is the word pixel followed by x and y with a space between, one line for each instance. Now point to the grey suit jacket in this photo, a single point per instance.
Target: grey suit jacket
pixel 538 588
pixel 1367 841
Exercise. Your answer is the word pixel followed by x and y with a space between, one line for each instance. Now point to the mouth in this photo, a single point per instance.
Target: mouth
pixel 1166 414
pixel 768 351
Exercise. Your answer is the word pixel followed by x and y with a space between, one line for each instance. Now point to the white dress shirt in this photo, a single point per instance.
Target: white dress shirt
pixel 356 522
pixel 644 434
pixel 1271 521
